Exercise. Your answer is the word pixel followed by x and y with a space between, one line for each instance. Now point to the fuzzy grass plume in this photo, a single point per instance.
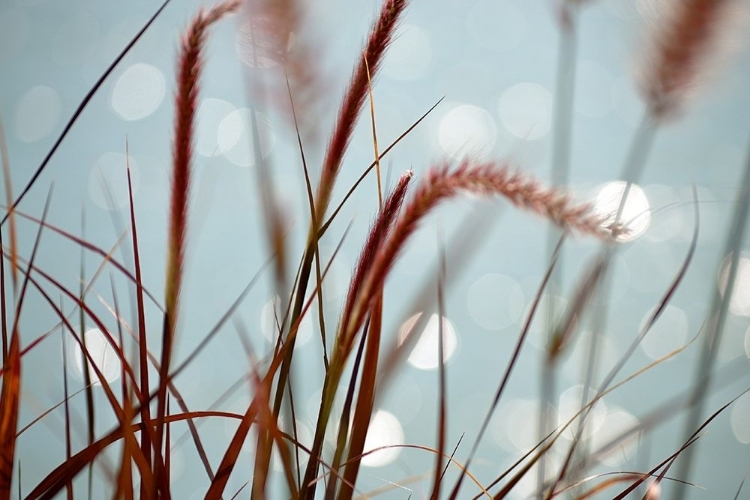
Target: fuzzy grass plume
pixel 442 183
pixel 681 47
pixel 186 103
pixel 372 56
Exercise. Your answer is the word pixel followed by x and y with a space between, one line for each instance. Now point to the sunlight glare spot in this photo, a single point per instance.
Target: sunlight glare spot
pixel 526 110
pixel 467 130
pixel 235 137
pixel 384 430
pixel 211 113
pixel 740 301
pixel 636 215
pixel 424 356
pixel 108 181
pixel 570 404
pixel 668 333
pixel 104 356
pixel 138 92
pixel 409 55
pixel 37 113
pixel 616 422
pixel 271 317
pixel 667 220
pixel 495 301
pixel 522 422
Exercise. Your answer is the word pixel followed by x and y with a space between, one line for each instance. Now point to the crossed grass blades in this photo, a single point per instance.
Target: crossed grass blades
pixel 144 408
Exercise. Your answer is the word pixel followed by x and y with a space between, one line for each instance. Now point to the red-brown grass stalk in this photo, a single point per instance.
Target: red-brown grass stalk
pixel 380 37
pixel 186 101
pixel 439 184
pixel 681 46
pixel 375 239
pixel 378 234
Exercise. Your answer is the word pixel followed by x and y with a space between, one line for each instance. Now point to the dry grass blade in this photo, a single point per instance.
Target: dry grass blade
pixel 313 223
pixel 622 477
pixel 693 438
pixel 77 113
pixel 230 456
pixel 229 459
pixel 9 406
pixel 90 362
pixel 343 343
pixel 186 102
pixel 442 406
pixel 718 315
pixel 372 166
pixel 174 392
pixel 563 334
pixel 554 435
pixel 141 314
pixel 3 305
pixel 10 398
pixel 649 324
pixel 513 360
pixel 55 480
pixel 107 255
pixel 311 254
pixel 739 488
pixel 380 37
pixel 372 334
pixel 66 400
pixel 346 417
pixel 448 458
pixel 125 475
pixel 376 239
pixel 440 184
pixel 87 382
pixel 365 401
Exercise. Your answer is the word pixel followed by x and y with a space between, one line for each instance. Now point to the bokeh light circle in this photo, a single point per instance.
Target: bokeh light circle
pixel 425 354
pixel 636 214
pixel 103 355
pixel 467 130
pixel 526 110
pixel 138 92
pixel 37 113
pixel 384 430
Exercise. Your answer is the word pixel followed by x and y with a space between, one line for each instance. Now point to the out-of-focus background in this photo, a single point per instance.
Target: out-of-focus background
pixel 494 63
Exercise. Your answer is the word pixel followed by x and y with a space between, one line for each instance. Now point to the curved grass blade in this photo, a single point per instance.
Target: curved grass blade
pixel 513 359
pixel 77 113
pixel 10 397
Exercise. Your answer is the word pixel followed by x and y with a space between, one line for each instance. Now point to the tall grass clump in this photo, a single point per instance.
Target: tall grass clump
pixel 126 449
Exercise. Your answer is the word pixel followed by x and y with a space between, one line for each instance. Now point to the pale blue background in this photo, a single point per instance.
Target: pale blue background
pixel 472 53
